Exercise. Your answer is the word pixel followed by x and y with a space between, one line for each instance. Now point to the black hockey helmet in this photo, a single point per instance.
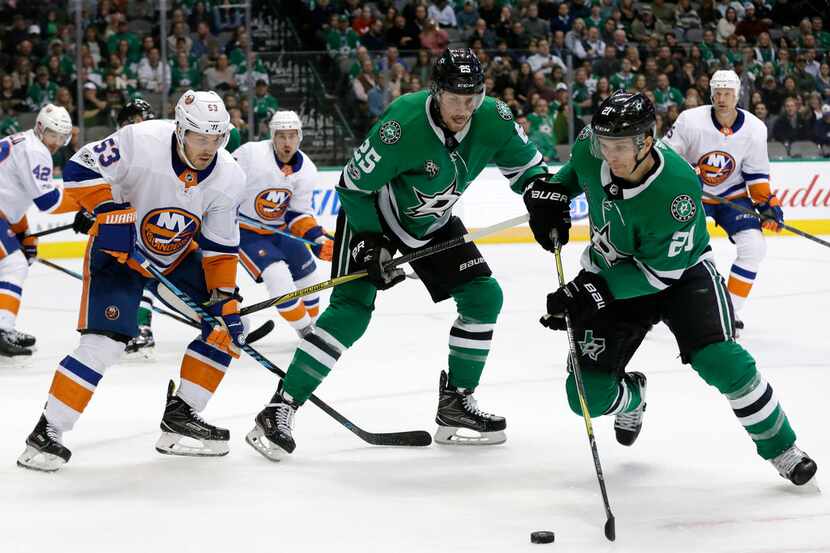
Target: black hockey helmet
pixel 458 71
pixel 137 107
pixel 624 114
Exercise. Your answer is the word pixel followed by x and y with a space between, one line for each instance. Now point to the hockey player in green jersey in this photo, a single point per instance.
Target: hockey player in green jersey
pixel 397 194
pixel 649 261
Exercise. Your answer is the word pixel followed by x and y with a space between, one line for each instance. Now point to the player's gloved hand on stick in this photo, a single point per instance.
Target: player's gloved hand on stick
pixel 370 251
pixel 229 335
pixel 83 222
pixel 114 229
pixel 28 245
pixel 581 298
pixel 324 245
pixel 773 215
pixel 549 209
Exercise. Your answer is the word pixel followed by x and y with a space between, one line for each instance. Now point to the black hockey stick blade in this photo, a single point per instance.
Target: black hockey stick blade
pixel 261 332
pixel 610 528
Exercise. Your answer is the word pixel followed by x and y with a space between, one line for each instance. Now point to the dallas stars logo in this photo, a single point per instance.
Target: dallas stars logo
pixel 602 244
pixel 683 208
pixel 590 346
pixel 435 204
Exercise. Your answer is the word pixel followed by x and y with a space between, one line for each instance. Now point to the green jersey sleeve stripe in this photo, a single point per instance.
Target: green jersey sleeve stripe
pixel 346 182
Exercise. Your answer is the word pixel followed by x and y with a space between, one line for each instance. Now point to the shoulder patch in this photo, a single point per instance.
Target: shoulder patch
pixel 683 208
pixel 584 133
pixel 390 132
pixel 503 110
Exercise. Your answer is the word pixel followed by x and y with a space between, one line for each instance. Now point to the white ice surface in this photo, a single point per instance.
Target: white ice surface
pixel 692 483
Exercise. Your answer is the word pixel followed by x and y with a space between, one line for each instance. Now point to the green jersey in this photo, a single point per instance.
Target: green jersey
pixel 643 237
pixel 410 173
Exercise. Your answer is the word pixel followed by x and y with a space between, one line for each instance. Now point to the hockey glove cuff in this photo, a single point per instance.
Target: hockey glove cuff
pixel 772 216
pixel 114 230
pixel 83 222
pixel 581 298
pixel 28 245
pixel 323 246
pixel 371 252
pixel 229 334
pixel 549 208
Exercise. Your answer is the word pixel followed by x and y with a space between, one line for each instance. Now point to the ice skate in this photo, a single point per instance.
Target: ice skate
pixel 143 345
pixel 627 426
pixel 271 435
pixel 184 432
pixel 461 422
pixel 44 450
pixel 14 343
pixel 794 465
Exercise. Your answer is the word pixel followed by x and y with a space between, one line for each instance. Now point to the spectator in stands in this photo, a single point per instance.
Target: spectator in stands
pixel 535 26
pixel 563 20
pixel 180 31
pixel 362 21
pixel 96 109
pixel 622 79
pixel 362 84
pixel 581 92
pixel 663 12
pixel 265 105
pixel 375 39
pixel 789 127
pixel 692 99
pixel 133 44
pixel 685 16
pixel 823 81
pixel 710 48
pixel 198 14
pixel 443 14
pixel 153 73
pixel 434 38
pixel 764 49
pixel 185 76
pixel 602 92
pixel 543 60
pixel 812 66
pixel 12 100
pixel 620 43
pixel 489 12
pixel 803 80
pixel 812 110
pixel 750 25
pixel 639 85
pixel 540 126
pixel 42 91
pixel 822 130
pixel 517 39
pixel 651 71
pixel 237 53
pixel 221 77
pixel 665 61
pixel 594 20
pixel 727 25
pixel 822 36
pixel 341 43
pixel 204 41
pixel 542 87
pixel 94 45
pixel 467 17
pixel 575 40
pixel 226 17
pixel 607 30
pixel 402 34
pixel 482 33
pixel 760 111
pixel 414 84
pixel 595 46
pixel 608 64
pixel 666 95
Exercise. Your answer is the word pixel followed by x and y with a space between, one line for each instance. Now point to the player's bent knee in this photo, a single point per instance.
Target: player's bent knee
pixel 751 248
pixel 725 365
pixel 481 299
pixel 600 392
pixel 99 351
pixel 14 268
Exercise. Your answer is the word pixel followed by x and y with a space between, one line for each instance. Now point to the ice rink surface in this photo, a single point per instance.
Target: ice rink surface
pixel 691 483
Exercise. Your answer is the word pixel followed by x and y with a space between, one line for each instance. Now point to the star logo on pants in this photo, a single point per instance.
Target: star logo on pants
pixel 590 346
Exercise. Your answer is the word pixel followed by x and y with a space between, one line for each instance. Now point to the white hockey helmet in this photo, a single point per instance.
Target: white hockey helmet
pixel 201 112
pixel 725 78
pixel 56 119
pixel 286 121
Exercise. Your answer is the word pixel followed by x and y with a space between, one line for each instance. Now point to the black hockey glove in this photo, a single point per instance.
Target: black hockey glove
pixel 83 222
pixel 582 298
pixel 549 209
pixel 370 251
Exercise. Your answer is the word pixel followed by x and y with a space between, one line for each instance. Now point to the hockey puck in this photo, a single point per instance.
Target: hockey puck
pixel 542 536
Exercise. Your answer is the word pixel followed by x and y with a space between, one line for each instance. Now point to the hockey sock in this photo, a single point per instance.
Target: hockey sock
pixel 479 303
pixel 277 279
pixel 145 310
pixel 13 271
pixel 751 250
pixel 77 377
pixel 203 368
pixel 728 367
pixel 342 323
pixel 739 285
pixel 605 393
pixel 311 301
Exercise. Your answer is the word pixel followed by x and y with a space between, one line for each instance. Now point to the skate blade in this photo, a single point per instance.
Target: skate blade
pixel 176 444
pixel 454 435
pixel 33 459
pixel 265 447
pixel 143 354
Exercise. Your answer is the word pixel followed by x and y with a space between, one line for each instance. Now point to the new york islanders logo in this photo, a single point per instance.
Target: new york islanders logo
pixel 168 230
pixel 715 167
pixel 270 204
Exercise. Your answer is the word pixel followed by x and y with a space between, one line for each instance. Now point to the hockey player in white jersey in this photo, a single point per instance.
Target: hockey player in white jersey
pixel 26 179
pixel 728 146
pixel 281 181
pixel 171 192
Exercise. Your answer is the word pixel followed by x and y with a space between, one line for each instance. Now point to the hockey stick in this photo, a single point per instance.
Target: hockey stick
pixel 397 262
pixel 250 221
pixel 610 527
pixel 411 438
pixel 52 230
pixel 253 336
pixel 754 213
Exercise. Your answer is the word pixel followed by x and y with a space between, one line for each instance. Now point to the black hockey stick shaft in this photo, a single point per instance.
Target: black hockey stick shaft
pixel 610 526
pixel 413 438
pixel 398 261
pixel 52 230
pixel 253 336
pixel 747 211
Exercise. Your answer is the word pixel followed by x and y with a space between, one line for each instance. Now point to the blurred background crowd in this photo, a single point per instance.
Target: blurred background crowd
pixel 551 61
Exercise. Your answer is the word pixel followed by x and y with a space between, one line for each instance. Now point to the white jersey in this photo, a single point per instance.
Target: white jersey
pixel 26 176
pixel 277 194
pixel 173 203
pixel 728 160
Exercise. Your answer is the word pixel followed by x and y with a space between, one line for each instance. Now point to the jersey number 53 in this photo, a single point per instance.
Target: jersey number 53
pixel 108 151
